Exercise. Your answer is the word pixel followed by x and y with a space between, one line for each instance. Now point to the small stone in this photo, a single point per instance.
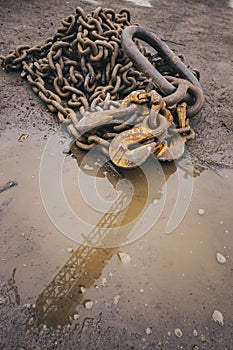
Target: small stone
pixel 116 299
pixel 201 212
pixel 195 347
pixel 22 234
pixel 218 317
pixel 24 265
pixel 125 258
pixel 148 330
pixel 70 250
pixel 104 282
pixel 82 289
pixel 141 290
pixel 178 333
pixel 87 167
pixel 66 151
pixel 88 304
pixel 76 316
pixel 2 301
pixel 23 137
pixel 203 339
pixel 195 333
pixel 155 201
pixel 169 333
pixel 220 258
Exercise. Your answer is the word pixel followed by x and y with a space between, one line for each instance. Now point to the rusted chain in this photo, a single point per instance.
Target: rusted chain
pixel 102 84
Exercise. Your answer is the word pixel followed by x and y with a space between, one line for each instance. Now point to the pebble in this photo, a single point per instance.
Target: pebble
pixel 116 299
pixel 88 304
pixel 201 212
pixel 82 289
pixel 169 333
pixel 220 258
pixel 195 333
pixel 70 250
pixel 218 317
pixel 148 330
pixel 125 258
pixel 22 234
pixel 66 151
pixel 178 332
pixel 155 201
pixel 23 137
pixel 76 316
pixel 203 338
pixel 87 167
pixel 195 347
pixel 141 290
pixel 2 301
pixel 104 282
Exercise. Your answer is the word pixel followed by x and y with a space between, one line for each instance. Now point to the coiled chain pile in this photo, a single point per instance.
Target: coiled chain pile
pixel 85 76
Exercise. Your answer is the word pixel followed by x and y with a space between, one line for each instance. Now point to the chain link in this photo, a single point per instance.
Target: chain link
pixel 105 87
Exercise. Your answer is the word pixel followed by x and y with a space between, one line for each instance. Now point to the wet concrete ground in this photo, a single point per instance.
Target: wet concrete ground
pixel 168 281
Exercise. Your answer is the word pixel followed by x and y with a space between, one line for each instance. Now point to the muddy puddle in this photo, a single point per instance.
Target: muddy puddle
pixel 143 280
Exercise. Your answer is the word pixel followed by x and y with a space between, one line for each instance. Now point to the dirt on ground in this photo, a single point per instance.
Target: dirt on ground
pixel 164 294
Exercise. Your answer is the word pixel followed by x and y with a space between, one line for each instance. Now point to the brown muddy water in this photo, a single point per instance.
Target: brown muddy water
pixel 161 282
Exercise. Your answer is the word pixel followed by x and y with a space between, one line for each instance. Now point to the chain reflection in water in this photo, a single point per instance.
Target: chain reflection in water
pixel 59 301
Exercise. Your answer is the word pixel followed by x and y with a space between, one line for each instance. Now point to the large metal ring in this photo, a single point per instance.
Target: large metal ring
pixel 131 49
